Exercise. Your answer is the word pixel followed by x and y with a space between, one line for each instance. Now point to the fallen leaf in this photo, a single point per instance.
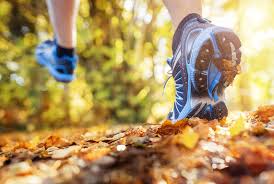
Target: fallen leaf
pixel 25 180
pixel 188 138
pixel 95 154
pixel 64 153
pixel 203 130
pixel 181 122
pixel 168 128
pixel 51 149
pixel 154 139
pixel 196 121
pixel 265 113
pixel 2 160
pixel 138 141
pixel 166 123
pixel 24 145
pixel 270 127
pixel 237 127
pixel 3 141
pixel 118 136
pixel 90 136
pixel 54 141
pixel 113 138
pixel 257 128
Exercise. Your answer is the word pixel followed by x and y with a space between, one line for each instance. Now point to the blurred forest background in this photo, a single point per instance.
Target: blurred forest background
pixel 123 46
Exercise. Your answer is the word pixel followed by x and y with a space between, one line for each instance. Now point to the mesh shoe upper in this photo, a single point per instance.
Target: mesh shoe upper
pixel 182 42
pixel 61 68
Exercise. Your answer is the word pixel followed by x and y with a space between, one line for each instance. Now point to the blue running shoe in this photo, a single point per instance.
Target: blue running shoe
pixel 205 61
pixel 61 68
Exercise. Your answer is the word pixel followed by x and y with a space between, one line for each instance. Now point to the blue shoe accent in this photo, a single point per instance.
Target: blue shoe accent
pixel 217 53
pixel 61 68
pixel 205 61
pixel 214 76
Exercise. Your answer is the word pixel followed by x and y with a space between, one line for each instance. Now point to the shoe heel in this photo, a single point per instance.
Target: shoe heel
pixel 217 63
pixel 229 62
pixel 217 111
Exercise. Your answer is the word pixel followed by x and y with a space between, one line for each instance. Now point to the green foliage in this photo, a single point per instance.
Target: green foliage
pixel 112 44
pixel 123 45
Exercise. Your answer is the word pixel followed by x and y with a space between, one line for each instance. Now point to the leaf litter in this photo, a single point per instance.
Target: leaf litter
pixel 189 151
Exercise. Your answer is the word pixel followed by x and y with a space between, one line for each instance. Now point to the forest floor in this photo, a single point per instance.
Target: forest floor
pixel 239 150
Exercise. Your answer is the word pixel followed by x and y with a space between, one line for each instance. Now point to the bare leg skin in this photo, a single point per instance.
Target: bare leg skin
pixel 178 9
pixel 63 15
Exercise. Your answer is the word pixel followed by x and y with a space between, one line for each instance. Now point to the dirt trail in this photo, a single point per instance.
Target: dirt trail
pixel 237 150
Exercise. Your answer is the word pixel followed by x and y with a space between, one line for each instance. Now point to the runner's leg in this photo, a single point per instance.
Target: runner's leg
pixel 178 9
pixel 63 15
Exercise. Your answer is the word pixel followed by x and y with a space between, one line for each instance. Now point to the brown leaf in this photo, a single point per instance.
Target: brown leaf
pixel 168 128
pixel 54 141
pixel 118 136
pixel 138 141
pixel 203 130
pixel 90 136
pixel 24 145
pixel 197 121
pixel 3 141
pixel 140 132
pixel 257 128
pixel 265 113
pixel 95 154
pixel 2 160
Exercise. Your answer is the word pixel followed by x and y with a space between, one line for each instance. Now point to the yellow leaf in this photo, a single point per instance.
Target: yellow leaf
pixel 237 127
pixel 188 138
pixel 96 153
pixel 166 123
pixel 181 122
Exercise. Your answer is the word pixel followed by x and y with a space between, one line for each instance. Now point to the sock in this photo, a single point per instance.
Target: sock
pixel 61 51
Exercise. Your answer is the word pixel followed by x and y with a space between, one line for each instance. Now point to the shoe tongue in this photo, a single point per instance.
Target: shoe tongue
pixel 180 28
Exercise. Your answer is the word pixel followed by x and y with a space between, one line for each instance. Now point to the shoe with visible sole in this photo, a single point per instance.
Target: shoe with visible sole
pixel 205 61
pixel 61 68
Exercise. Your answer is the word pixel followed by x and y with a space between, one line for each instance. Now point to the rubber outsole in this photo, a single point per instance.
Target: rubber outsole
pixel 219 111
pixel 227 60
pixel 209 112
pixel 222 53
